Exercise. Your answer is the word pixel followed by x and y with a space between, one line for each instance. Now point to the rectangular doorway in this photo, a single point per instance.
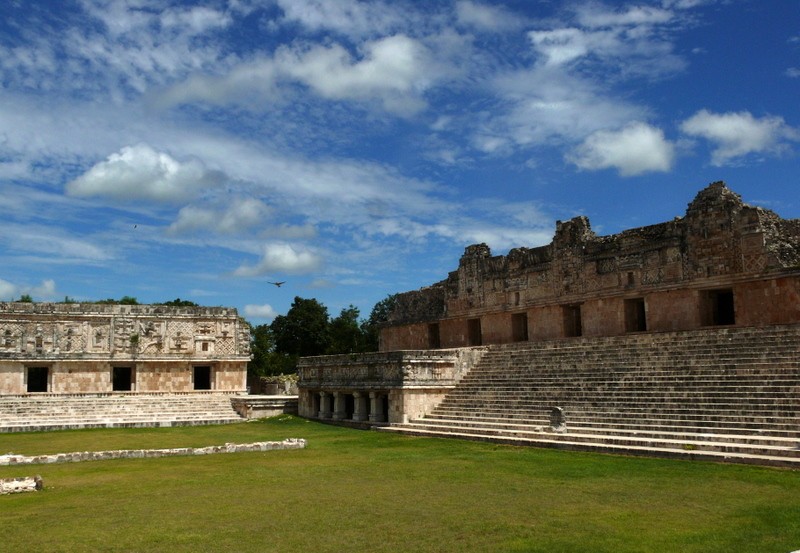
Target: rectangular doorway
pixel 122 379
pixel 434 338
pixel 635 316
pixel 474 332
pixel 572 321
pixel 38 379
pixel 202 377
pixel 519 327
pixel 717 307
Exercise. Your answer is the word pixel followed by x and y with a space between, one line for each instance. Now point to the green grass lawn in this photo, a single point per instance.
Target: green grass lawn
pixel 358 491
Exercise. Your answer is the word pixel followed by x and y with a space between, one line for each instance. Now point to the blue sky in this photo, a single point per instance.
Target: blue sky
pixel 163 149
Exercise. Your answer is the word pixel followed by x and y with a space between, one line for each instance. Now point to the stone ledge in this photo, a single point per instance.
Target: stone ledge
pixel 77 457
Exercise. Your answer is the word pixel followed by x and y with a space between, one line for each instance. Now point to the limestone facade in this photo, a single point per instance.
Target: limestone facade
pixel 376 388
pixel 66 348
pixel 723 263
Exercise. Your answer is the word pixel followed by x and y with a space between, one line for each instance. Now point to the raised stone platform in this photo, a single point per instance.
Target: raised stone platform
pixel 41 412
pixel 260 406
pixel 718 394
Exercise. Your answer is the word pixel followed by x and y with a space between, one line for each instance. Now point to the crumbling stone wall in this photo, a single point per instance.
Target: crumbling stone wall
pixel 580 282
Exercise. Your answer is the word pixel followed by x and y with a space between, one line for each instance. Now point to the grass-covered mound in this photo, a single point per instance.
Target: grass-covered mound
pixel 353 490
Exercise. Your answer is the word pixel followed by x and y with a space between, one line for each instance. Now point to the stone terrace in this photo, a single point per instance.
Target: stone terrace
pixel 23 413
pixel 726 394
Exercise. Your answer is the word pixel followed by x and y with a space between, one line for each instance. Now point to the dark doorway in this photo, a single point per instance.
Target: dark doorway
pixel 572 321
pixel 38 379
pixel 385 404
pixel 474 330
pixel 202 378
pixel 122 379
pixel 434 340
pixel 519 327
pixel 718 308
pixel 635 317
pixel 349 406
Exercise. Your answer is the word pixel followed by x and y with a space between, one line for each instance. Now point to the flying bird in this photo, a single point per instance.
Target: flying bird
pixel 278 284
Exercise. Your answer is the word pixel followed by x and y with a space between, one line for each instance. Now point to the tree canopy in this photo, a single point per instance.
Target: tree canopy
pixel 308 330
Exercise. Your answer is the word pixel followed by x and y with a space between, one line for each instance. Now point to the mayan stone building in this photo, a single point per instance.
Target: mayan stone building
pixel 723 263
pixel 63 348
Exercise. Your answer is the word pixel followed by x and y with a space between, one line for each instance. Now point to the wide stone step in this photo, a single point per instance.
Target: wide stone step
pixel 680 435
pixel 35 412
pixel 639 449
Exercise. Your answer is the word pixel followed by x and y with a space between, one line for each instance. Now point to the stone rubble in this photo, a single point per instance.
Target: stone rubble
pixel 20 485
pixel 12 459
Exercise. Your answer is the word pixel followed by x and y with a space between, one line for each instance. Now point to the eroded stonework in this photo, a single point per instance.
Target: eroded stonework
pixel 724 262
pixel 80 348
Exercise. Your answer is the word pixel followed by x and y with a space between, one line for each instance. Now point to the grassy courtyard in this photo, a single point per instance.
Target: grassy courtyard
pixel 363 491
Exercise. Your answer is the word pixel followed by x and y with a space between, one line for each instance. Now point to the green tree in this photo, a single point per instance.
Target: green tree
pixel 177 302
pixel 25 298
pixel 371 328
pixel 266 361
pixel 303 330
pixel 345 333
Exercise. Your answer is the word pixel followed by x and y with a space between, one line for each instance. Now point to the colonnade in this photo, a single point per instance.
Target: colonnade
pixel 358 406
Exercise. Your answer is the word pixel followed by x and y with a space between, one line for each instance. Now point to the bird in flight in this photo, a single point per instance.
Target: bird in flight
pixel 278 284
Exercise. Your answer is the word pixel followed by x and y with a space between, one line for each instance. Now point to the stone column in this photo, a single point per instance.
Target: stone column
pixel 339 406
pixel 376 407
pixel 324 405
pixel 360 406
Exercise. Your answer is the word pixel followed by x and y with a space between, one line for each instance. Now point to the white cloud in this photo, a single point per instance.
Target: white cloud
pixel 636 149
pixel 793 72
pixel 46 291
pixel 393 71
pixel 242 214
pixel 141 173
pixel 265 311
pixel 486 17
pixel 548 105
pixel 282 258
pixel 596 15
pixel 8 291
pixel 348 17
pixel 738 134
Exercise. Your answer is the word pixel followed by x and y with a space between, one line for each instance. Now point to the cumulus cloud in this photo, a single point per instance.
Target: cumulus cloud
pixel 282 258
pixel 265 311
pixel 636 149
pixel 242 214
pixel 391 69
pixel 738 134
pixel 141 173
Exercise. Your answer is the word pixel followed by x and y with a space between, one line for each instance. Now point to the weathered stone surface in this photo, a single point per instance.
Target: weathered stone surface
pixel 80 346
pixel 579 283
pixel 21 485
pixel 11 459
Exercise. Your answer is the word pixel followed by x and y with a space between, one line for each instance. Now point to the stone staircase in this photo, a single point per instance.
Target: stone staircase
pixel 37 412
pixel 728 394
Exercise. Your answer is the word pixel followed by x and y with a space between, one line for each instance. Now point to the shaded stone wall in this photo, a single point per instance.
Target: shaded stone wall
pixel 81 345
pixel 584 284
